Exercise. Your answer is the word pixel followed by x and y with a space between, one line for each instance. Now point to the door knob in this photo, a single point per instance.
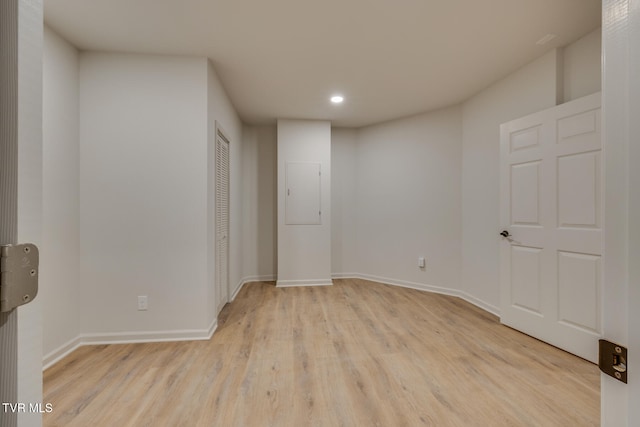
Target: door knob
pixel 505 233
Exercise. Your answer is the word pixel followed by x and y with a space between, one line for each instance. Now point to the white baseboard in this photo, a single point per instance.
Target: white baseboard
pixel 423 287
pixel 295 283
pixel 248 279
pixel 56 355
pixel 235 293
pixel 344 275
pixel 128 338
pixel 479 303
pixel 204 334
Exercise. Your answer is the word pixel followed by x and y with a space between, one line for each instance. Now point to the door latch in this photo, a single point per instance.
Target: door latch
pixel 612 360
pixel 18 275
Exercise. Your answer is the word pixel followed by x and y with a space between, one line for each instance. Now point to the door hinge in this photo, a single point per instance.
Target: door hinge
pixel 18 275
pixel 612 360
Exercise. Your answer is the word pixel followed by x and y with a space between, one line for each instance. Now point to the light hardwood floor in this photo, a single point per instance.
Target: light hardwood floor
pixel 354 354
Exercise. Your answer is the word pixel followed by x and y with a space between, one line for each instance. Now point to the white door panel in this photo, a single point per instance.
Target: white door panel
pixel 525 139
pixel 579 190
pixel 551 205
pixel 579 290
pixel 525 278
pixel 582 128
pixel 525 193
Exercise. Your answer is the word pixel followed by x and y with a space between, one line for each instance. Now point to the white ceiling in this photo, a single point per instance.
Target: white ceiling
pixel 285 58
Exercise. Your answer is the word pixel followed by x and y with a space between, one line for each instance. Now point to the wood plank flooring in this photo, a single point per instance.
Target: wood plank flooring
pixel 354 354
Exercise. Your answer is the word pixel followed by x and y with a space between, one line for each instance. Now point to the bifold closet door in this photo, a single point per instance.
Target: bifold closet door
pixel 222 220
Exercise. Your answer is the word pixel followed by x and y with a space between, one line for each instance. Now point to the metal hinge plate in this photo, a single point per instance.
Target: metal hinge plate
pixel 18 275
pixel 612 360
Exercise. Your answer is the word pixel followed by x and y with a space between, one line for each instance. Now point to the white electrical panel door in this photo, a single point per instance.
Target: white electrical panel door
pixel 302 194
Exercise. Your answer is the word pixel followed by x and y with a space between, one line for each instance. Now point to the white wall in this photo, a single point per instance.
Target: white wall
pixel 221 113
pixel 408 199
pixel 304 251
pixel 566 73
pixel 343 202
pixel 128 196
pixel 260 208
pixel 60 250
pixel 385 251
pixel 143 193
pixel 530 89
pixel 582 66
pixel 260 214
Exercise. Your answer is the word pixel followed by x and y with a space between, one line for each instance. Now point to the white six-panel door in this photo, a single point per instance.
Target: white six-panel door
pixel 551 205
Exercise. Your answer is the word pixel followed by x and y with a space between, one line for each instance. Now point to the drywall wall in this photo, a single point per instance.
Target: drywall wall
pixel 259 214
pixel 536 86
pixel 137 131
pixel 530 89
pixel 343 202
pixel 582 66
pixel 221 115
pixel 408 200
pixel 304 251
pixel 143 194
pixel 260 210
pixel 60 251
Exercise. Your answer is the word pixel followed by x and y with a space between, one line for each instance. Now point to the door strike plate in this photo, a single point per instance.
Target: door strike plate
pixel 18 275
pixel 612 360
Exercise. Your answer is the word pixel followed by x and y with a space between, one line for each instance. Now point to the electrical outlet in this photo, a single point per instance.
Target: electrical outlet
pixel 421 262
pixel 143 303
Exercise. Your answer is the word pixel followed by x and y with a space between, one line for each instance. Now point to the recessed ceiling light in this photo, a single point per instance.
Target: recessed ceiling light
pixel 337 99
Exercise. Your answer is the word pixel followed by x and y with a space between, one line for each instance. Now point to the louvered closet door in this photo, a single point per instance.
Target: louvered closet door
pixel 222 221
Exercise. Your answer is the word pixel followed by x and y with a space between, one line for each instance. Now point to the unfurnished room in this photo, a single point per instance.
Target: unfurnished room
pixel 337 213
